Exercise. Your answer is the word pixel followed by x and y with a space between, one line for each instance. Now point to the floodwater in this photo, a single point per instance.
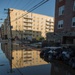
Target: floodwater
pixel 20 60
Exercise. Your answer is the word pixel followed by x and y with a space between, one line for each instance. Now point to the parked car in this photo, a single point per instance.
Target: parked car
pixel 67 54
pixel 49 52
pixel 44 51
pixel 54 53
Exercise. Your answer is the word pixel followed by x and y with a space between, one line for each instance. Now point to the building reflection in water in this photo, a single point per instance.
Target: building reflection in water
pixel 29 62
pixel 22 57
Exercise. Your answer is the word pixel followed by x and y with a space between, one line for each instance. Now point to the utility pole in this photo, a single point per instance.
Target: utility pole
pixel 10 27
pixel 1 30
pixel 10 38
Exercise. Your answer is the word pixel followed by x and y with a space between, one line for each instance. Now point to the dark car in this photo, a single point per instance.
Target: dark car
pixel 67 54
pixel 54 53
pixel 44 51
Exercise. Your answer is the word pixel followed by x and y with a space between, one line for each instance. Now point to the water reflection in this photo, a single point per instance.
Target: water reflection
pixel 25 59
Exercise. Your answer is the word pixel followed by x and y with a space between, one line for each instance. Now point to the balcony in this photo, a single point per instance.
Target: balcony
pixel 27 28
pixel 27 53
pixel 47 20
pixel 27 60
pixel 27 25
pixel 47 27
pixel 28 22
pixel 28 17
pixel 47 23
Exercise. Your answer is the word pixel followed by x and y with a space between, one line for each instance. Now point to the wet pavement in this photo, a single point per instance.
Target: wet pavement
pixel 18 60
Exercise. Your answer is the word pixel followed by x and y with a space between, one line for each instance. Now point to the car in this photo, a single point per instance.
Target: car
pixel 67 54
pixel 54 53
pixel 49 52
pixel 44 51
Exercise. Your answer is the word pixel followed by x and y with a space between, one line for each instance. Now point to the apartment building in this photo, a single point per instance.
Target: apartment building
pixel 65 20
pixel 64 25
pixel 27 25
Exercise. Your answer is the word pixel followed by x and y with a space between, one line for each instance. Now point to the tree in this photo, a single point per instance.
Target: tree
pixel 40 38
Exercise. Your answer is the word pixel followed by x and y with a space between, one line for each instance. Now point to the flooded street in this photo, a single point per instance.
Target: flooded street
pixel 19 60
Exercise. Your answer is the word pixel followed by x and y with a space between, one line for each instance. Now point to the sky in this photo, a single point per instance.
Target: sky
pixel 47 8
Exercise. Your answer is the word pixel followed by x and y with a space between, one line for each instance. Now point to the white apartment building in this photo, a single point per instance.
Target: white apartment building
pixel 28 25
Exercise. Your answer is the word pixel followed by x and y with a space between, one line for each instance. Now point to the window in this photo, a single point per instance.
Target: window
pixel 73 22
pixel 37 35
pixel 60 24
pixel 61 10
pixel 74 6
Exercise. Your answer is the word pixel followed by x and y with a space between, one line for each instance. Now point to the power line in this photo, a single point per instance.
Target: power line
pixel 38 5
pixel 17 2
pixel 28 4
pixel 33 8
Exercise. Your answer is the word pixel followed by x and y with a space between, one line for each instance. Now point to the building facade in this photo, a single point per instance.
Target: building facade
pixel 65 16
pixel 26 25
pixel 65 20
pixel 64 25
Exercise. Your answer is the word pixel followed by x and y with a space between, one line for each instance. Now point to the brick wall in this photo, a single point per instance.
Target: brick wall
pixel 67 17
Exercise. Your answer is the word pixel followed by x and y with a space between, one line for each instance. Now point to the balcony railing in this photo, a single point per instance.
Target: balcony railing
pixel 28 18
pixel 27 27
pixel 27 21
